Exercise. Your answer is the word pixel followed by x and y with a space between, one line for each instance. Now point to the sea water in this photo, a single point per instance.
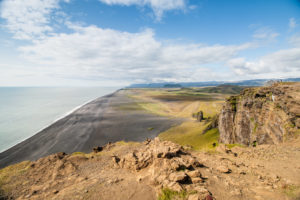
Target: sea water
pixel 25 111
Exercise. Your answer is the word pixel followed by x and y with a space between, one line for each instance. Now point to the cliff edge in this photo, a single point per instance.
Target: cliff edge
pixel 264 115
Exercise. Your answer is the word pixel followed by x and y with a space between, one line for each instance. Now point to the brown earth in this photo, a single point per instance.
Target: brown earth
pixel 141 170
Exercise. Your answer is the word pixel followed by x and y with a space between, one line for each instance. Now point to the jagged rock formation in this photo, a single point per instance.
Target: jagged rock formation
pixel 166 165
pixel 264 115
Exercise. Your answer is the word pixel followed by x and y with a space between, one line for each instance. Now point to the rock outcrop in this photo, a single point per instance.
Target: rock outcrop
pixel 199 116
pixel 264 115
pixel 166 165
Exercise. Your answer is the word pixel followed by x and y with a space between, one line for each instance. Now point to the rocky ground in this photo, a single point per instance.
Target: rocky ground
pixel 159 169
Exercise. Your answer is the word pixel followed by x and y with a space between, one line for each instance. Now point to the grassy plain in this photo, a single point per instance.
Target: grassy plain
pixel 182 103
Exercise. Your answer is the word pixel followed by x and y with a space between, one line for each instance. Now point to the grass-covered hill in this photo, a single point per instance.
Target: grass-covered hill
pixel 222 89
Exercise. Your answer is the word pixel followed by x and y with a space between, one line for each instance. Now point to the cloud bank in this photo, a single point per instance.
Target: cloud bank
pixel 109 54
pixel 92 53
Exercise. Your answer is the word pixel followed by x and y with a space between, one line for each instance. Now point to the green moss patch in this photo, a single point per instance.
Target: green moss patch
pixel 292 191
pixel 9 174
pixel 168 194
pixel 191 134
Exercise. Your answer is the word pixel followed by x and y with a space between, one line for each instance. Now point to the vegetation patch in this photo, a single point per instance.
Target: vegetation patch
pixel 186 97
pixel 78 153
pixel 125 143
pixel 168 194
pixel 154 108
pixel 230 146
pixel 129 106
pixel 292 191
pixel 233 102
pixel 222 89
pixel 191 134
pixel 178 102
pixel 255 127
pixel 9 173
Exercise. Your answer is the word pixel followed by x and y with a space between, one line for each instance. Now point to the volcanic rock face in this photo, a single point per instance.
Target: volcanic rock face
pixel 262 115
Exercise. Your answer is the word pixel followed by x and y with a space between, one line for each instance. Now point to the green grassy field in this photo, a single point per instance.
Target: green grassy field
pixel 183 102
pixel 191 134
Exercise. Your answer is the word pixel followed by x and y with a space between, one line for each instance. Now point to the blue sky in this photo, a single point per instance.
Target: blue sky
pixel 119 42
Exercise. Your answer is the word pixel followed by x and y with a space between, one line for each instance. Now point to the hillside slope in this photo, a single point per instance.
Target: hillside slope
pixel 159 170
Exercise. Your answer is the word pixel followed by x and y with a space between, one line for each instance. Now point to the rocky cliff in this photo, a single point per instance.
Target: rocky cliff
pixel 263 115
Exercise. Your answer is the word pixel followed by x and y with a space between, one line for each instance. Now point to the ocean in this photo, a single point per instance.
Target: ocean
pixel 24 111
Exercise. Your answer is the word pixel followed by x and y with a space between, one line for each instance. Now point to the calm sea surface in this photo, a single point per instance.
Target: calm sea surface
pixel 24 111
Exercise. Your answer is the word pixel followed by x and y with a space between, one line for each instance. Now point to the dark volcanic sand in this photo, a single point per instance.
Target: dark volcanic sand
pixel 94 124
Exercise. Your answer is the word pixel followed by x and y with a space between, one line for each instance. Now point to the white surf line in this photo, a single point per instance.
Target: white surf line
pixel 74 109
pixel 61 117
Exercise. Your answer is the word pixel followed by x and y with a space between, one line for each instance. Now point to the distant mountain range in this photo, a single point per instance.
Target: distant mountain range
pixel 254 82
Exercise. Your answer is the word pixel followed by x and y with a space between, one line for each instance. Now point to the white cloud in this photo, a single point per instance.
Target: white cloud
pixel 292 23
pixel 265 34
pixel 158 6
pixel 28 19
pixel 280 64
pixel 92 54
pixel 95 53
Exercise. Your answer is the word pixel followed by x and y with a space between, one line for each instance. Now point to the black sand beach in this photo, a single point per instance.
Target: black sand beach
pixel 94 124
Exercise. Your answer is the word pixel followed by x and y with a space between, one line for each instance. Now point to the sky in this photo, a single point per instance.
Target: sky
pixel 120 42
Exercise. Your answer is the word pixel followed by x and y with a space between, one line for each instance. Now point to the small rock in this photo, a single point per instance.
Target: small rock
pixel 161 178
pixel 115 159
pixel 275 178
pixel 243 172
pixel 97 149
pixel 55 191
pixel 139 178
pixel 202 193
pixel 223 169
pixel 197 180
pixel 193 197
pixel 33 192
pixel 201 190
pixel 175 186
pixel 209 197
pixel 177 177
pixel 194 174
pixel 61 155
pixel 147 141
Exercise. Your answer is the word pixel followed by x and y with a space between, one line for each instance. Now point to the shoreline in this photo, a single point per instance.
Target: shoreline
pixel 70 112
pixel 95 123
pixel 59 118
